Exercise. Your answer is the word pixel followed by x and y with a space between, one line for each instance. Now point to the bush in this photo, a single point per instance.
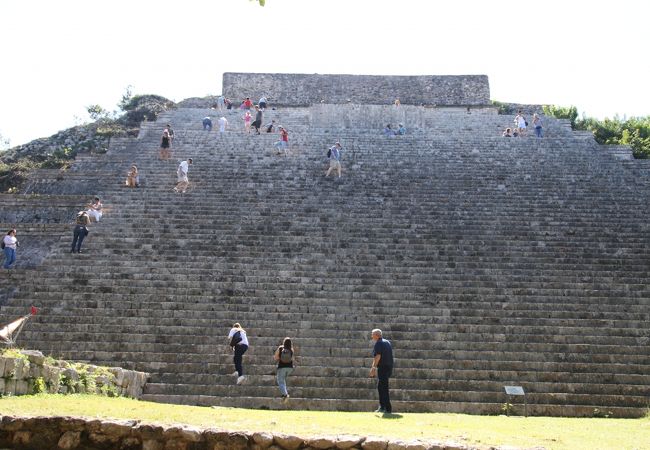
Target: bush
pixel 634 132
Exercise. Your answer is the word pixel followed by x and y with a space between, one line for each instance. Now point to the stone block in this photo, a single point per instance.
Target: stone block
pixel 34 357
pixel 70 440
pixel 22 387
pixel 184 433
pixel 263 440
pixel 288 442
pixel 372 443
pixel 10 387
pixel 321 443
pixel 9 368
pixel 224 440
pixel 345 442
pixel 22 438
pixel 401 445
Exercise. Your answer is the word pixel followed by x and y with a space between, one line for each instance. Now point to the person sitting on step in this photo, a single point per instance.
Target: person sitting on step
pixel 95 209
pixel 507 133
pixel 132 178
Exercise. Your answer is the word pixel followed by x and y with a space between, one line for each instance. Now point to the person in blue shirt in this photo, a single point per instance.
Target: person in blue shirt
pixel 382 368
pixel 401 130
pixel 334 155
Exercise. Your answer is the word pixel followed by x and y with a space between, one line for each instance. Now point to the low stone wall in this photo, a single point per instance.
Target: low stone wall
pixel 34 373
pixel 68 433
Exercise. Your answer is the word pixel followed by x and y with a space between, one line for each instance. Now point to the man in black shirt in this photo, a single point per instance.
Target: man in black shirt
pixel 382 367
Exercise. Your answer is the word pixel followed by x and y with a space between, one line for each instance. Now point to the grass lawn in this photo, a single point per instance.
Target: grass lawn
pixel 548 432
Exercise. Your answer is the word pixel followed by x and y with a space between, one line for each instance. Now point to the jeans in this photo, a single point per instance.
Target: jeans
pixel 538 132
pixel 10 257
pixel 282 374
pixel 240 349
pixel 79 235
pixel 383 374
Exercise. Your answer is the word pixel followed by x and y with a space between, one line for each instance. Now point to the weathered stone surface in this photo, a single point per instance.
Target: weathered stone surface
pixel 17 376
pixel 344 441
pixel 10 423
pixel 307 89
pixel 22 438
pixel 223 440
pixel 185 433
pixel 288 442
pixel 406 445
pixel 151 444
pixel 373 443
pixel 322 443
pixel 264 440
pixel 69 440
pixel 34 356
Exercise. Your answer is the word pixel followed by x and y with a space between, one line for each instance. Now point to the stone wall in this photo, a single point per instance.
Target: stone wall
pixel 70 433
pixel 287 89
pixel 33 373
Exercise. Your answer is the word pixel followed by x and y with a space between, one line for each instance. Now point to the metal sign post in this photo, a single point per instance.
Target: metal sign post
pixel 516 390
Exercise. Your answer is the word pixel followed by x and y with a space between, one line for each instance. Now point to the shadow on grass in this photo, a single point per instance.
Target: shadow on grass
pixel 391 416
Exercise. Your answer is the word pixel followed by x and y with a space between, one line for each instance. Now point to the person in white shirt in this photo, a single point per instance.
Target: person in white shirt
pixel 238 342
pixel 223 124
pixel 10 243
pixel 262 103
pixel 95 209
pixel 181 172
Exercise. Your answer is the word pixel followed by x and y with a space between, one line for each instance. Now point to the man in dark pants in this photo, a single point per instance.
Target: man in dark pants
pixel 382 367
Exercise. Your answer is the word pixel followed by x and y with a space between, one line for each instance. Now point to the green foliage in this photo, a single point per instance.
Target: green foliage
pixel 140 108
pixel 562 112
pixel 14 353
pixel 261 2
pixel 634 132
pixel 126 97
pixel 38 385
pixel 503 108
pixel 96 112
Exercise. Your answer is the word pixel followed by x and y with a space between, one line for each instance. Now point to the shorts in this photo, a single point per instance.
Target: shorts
pixel 334 164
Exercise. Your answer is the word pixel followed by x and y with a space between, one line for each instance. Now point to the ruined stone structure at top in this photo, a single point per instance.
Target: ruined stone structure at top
pixel 294 89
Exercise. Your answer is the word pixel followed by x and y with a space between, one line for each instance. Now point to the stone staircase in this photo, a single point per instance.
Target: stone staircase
pixel 486 261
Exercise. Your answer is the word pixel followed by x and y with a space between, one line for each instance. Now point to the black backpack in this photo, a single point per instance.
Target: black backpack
pixel 329 153
pixel 235 339
pixel 2 244
pixel 286 356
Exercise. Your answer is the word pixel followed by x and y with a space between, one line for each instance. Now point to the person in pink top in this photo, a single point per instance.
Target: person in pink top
pixel 247 122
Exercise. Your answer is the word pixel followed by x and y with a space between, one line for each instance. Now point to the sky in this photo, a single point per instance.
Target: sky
pixel 58 57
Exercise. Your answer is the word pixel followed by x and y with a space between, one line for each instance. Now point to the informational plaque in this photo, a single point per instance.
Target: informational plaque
pixel 514 390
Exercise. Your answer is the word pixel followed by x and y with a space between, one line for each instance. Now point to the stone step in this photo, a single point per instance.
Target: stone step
pixel 370 405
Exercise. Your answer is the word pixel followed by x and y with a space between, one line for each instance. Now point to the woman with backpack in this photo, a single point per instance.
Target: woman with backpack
pixel 239 344
pixel 284 356
pixel 80 231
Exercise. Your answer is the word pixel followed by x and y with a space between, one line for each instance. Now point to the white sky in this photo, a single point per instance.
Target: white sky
pixel 59 56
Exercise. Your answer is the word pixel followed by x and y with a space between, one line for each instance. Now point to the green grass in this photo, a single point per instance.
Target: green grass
pixel 548 432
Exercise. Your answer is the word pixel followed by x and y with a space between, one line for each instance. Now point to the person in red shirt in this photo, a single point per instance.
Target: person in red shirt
pixel 283 143
pixel 247 104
